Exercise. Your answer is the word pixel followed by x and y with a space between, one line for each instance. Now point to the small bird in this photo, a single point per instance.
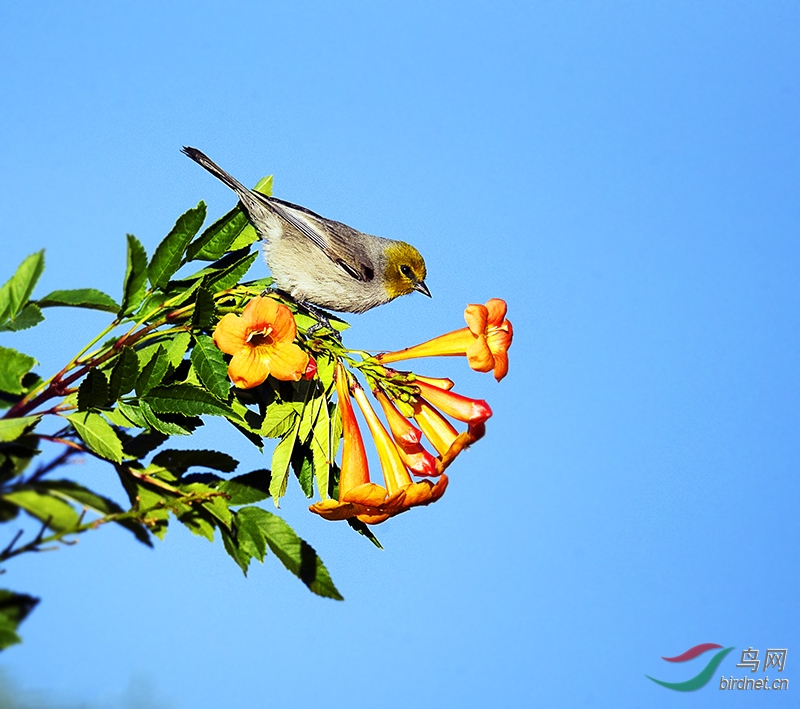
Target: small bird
pixel 323 263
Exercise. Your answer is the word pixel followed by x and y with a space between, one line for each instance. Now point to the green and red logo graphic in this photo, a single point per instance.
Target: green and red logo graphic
pixel 704 676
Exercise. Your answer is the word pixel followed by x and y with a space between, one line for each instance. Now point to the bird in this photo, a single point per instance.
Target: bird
pixel 322 263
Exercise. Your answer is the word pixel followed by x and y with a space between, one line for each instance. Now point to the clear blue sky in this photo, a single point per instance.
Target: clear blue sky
pixel 625 175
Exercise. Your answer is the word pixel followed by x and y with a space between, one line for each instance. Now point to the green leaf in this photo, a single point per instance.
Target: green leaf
pixel 295 554
pixel 321 454
pixel 188 400
pixel 11 429
pixel 216 240
pixel 124 374
pixel 30 316
pixel 153 372
pixel 135 282
pixel 304 469
pixel 127 413
pixel 93 391
pixel 146 442
pixel 280 466
pixel 80 298
pixel 279 420
pixel 179 461
pixel 167 257
pixel 169 428
pixel 231 275
pixel 204 310
pixel 98 435
pixel 15 293
pixel 14 608
pixel 177 346
pixel 246 489
pixel 364 530
pixel 249 533
pixel 13 366
pixel 210 366
pixel 241 557
pixel 53 511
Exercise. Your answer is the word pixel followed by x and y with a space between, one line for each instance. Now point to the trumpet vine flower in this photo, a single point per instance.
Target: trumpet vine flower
pixel 408 439
pixel 395 474
pixel 485 341
pixel 358 496
pixel 262 344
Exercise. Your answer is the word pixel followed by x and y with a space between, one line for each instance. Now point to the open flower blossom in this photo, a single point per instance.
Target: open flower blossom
pixel 485 341
pixel 358 496
pixel 262 344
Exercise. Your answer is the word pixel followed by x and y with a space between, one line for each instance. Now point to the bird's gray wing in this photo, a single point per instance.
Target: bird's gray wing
pixel 336 240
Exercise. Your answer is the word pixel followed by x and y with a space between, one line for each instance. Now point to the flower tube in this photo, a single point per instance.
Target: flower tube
pixel 357 495
pixel 395 474
pixel 485 341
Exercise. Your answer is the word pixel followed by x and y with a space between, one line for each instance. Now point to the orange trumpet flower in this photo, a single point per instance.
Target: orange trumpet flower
pixel 485 340
pixel 262 343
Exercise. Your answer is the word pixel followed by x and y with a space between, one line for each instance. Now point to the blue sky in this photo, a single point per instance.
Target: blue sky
pixel 625 175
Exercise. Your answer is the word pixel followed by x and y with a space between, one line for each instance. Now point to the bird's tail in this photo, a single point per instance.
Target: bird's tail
pixel 202 159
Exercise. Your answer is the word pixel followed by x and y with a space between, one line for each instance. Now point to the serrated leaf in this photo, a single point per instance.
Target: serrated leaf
pixel 135 283
pixel 14 608
pixel 13 367
pixel 30 316
pixel 130 413
pixel 98 435
pixel 90 298
pixel 236 553
pixel 278 421
pixel 364 530
pixel 93 391
pixel 124 374
pixel 230 276
pixel 246 489
pixel 168 428
pixel 13 428
pixel 179 461
pixel 295 554
pixel 303 469
pixel 249 533
pixel 189 401
pixel 153 372
pixel 167 257
pixel 53 511
pixel 281 458
pixel 177 346
pixel 216 240
pixel 210 366
pixel 16 291
pixel 204 310
pixel 321 455
pixel 308 419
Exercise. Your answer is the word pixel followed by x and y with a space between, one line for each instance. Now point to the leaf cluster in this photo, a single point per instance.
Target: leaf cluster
pixel 152 374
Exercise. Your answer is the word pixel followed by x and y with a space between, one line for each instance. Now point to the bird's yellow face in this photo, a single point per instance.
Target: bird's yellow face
pixel 405 270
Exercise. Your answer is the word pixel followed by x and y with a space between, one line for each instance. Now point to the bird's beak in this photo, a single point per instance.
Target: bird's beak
pixel 422 288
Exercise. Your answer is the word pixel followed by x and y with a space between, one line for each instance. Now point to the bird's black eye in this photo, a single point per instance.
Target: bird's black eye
pixel 405 270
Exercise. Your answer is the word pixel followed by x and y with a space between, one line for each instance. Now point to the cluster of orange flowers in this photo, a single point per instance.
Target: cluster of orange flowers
pixel 262 343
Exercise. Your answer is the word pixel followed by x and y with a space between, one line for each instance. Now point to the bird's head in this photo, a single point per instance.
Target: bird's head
pixel 405 270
